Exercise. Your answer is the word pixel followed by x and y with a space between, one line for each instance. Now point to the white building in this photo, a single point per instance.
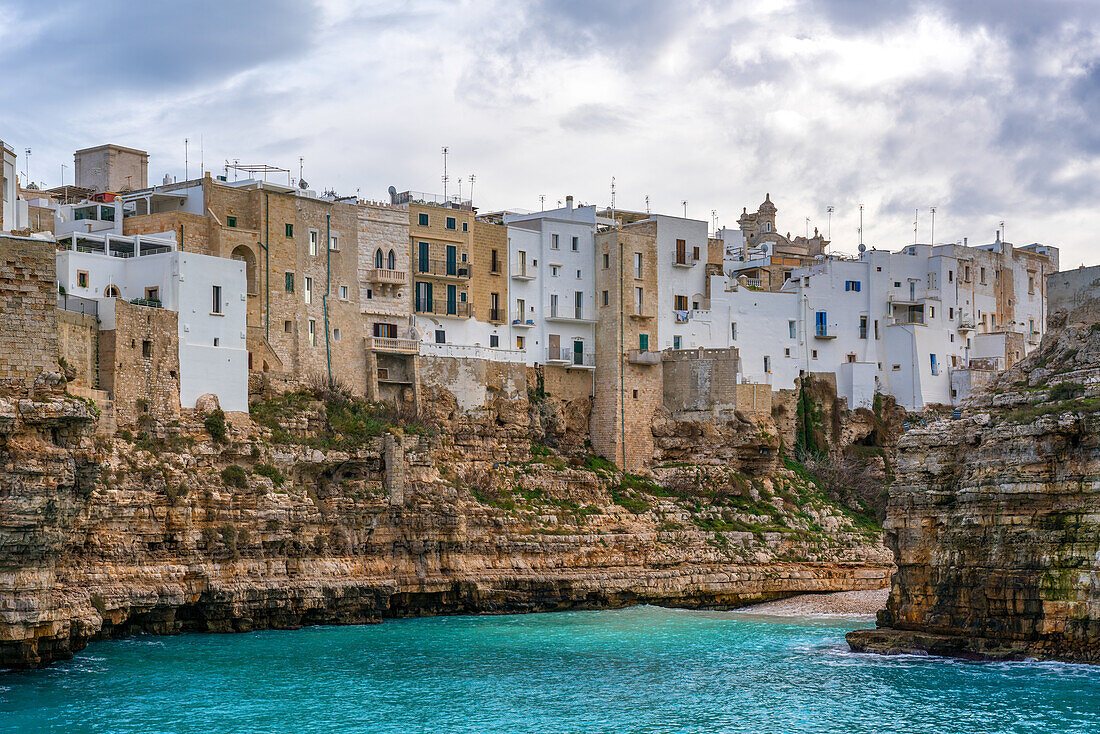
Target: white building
pixel 14 213
pixel 207 292
pixel 552 285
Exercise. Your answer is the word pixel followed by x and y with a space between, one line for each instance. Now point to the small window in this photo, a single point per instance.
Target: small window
pixel 152 294
pixel 767 364
pixel 494 340
pixel 287 326
pixel 290 282
pixel 637 264
pixel 852 285
pixel 308 295
pixel 897 284
pixel 289 229
pixel 217 342
pixel 440 336
pixel 422 219
pixel 452 223
pixel 896 368
pixel 520 342
pixel 336 335
pixel 787 352
pixel 465 227
pixel 343 293
pixel 733 331
pixel 639 295
pixel 313 237
pixel 951 313
pixel 950 276
pixel 606 261
pixel 606 297
pixel 813 354
pixel 635 394
pixel 792 329
pixel 578 274
pixel 554 270
pixel 333 243
pixel 676 342
pixel 851 358
pixel 82 278
pixel 554 242
pixel 312 333
pixel 230 221
pixel 576 243
pixel 643 342
pixel 370 293
pixel 146 349
pixel 216 300
pixel 931 312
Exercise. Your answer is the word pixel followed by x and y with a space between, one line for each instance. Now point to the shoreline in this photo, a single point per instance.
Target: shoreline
pixel 861 603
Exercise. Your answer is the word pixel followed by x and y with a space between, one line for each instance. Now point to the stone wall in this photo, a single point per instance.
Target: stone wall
pixel 78 345
pixel 702 379
pixel 190 229
pixel 28 303
pixel 1072 288
pixel 139 364
pixel 475 383
pixel 566 384
pixel 484 280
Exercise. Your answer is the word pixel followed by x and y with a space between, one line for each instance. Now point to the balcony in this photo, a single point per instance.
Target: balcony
pixel 523 273
pixel 522 323
pixel 823 333
pixel 457 309
pixel 443 269
pixel 566 357
pixel 684 261
pixel 576 318
pixel 496 315
pixel 966 324
pixel 644 357
pixel 392 345
pixel 384 276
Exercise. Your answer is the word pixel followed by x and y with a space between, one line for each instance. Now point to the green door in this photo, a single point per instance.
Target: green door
pixel 452 300
pixel 452 260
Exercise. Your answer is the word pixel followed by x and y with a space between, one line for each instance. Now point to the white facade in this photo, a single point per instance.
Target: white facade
pixel 14 210
pixel 207 292
pixel 552 285
pixel 681 281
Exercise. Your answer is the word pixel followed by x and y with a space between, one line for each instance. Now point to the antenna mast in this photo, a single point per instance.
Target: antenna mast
pixel 186 158
pixel 932 209
pixel 830 210
pixel 542 202
pixel 473 177
pixel 916 215
pixel 647 203
pixel 714 220
pixel 27 167
pixel 807 228
pixel 684 202
pixel 612 198
pixel 446 178
pixel 861 224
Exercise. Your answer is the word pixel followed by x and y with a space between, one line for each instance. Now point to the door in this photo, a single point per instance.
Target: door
pixel 578 352
pixel 422 264
pixel 554 340
pixel 452 300
pixel 522 263
pixel 822 323
pixel 912 290
pixel 424 297
pixel 452 260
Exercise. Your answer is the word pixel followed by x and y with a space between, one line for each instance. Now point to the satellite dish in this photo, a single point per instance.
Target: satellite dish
pixel 764 249
pixel 862 248
pixel 393 194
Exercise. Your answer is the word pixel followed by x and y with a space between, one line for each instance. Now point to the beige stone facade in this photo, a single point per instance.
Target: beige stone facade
pixel 111 168
pixel 489 272
pixel 440 240
pixel 28 304
pixel 78 346
pixel 139 364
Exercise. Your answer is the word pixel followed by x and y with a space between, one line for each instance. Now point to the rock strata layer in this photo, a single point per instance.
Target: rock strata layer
pixel 994 519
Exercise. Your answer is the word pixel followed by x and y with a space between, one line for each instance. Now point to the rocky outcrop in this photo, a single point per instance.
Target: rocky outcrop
pixel 994 519
pixel 320 514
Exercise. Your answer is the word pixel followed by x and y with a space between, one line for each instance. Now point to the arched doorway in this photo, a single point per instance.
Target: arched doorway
pixel 112 292
pixel 245 255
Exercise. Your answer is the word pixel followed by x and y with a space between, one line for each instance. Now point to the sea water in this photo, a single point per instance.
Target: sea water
pixel 643 669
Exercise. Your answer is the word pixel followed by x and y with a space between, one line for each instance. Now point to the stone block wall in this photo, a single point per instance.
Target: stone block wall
pixel 700 379
pixel 484 281
pixel 139 364
pixel 78 345
pixel 475 383
pixel 190 229
pixel 28 304
pixel 567 384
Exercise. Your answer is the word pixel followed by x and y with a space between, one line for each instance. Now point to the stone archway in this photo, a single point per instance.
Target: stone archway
pixel 244 254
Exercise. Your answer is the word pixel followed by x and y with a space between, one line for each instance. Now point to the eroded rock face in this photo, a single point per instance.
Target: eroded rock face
pixel 274 529
pixel 994 520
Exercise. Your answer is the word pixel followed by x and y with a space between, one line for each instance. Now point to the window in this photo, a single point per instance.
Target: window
pixel 391 261
pixel 606 261
pixel 1031 326
pixel 82 278
pixel 635 394
pixel 695 253
pixel 897 284
pixel 862 327
pixel 576 241
pixel 494 340
pixel 440 336
pixel 146 349
pixel 333 243
pixel 896 368
pixel 934 364
pixel 554 270
pixel 606 298
pixel 643 342
pixel 343 293
pixel 451 223
pixel 554 242
pixel 309 290
pixel 676 342
pixel 422 263
pixel 951 313
pixel 950 276
pixel 813 354
pixel 553 305
pixel 578 273
pixel 289 286
pixel 983 276
pixel 792 329
pixel 112 292
pixel 638 294
pixel 733 331
pixel 494 264
pixel 217 342
pixel 153 294
pixel 876 329
pixel 216 304
pixel 578 305
pixel 289 229
pixel 287 326
pixel 852 285
pixel 851 358
pixel 422 219
pixel 520 342
pixel 336 335
pixel 931 312
pixel 1031 285
pixel 312 333
pixel 378 258
pixel 314 235
pixel 637 264
pixel 821 324
pixel 681 252
pixel 966 273
pixel 767 364
pixel 370 294
pixel 787 351
pixel 230 221
pixel 681 303
pixel 932 281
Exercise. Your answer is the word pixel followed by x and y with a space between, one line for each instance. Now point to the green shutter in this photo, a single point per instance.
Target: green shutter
pixel 289 230
pixel 290 282
pixel 643 342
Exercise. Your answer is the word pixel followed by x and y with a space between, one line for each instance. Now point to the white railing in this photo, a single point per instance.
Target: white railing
pixel 392 344
pixel 464 351
pixel 384 275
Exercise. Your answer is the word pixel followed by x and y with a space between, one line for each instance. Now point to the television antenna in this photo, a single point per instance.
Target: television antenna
pixel 932 236
pixel 27 167
pixel 684 203
pixel 861 224
pixel 916 215
pixel 647 203
pixel 807 228
pixel 446 178
pixel 473 177
pixel 830 210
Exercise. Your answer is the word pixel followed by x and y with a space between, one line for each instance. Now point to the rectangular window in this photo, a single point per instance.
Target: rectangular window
pixel 146 349
pixel 681 252
pixel 931 312
pixel 934 364
pixel 983 276
pixel 676 342
pixel 336 335
pixel 786 351
pixel 951 313
pixel 520 342
pixel 423 296
pixel 452 260
pixel 876 329
pixel 153 294
pixel 638 293
pixel 82 278
pixel 578 274
pixel 767 364
pixel 312 333
pixel 576 243
pixel 465 226
pixel 440 336
pixel 606 261
pixel 216 305
pixel 314 235
pixel 821 324
pixel 862 327
pixel 733 331
pixel 950 276
pixel 289 229
pixel 553 242
pixel 308 295
pixel 554 270
pixel 494 340
pixel 681 303
pixel 852 285
pixel 333 243
pixel 494 263
pixel 288 326
pixel 851 358
pixel 643 342
pixel 606 298
pixel 578 305
pixel 637 264
pixel 230 221
pixel 1031 285
pixel 343 293
pixel 695 253
pixel 553 305
pixel 289 285
pixel 422 264
pixel 422 219
pixel 217 342
pixel 792 329
pixel 813 354
pixel 452 223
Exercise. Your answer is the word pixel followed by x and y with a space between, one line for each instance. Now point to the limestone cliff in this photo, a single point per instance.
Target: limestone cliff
pixel 339 512
pixel 994 519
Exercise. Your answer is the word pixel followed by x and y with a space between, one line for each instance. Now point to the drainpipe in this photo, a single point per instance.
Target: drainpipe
pixel 267 266
pixel 622 348
pixel 328 287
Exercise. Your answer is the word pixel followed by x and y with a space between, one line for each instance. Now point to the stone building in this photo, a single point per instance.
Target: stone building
pixel 111 168
pixel 759 252
pixel 28 302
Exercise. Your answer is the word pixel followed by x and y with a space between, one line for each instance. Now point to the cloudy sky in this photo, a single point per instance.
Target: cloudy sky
pixel 987 111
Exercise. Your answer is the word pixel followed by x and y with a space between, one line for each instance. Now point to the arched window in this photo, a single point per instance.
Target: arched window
pixel 245 255
pixel 112 292
pixel 767 226
pixel 391 261
pixel 378 258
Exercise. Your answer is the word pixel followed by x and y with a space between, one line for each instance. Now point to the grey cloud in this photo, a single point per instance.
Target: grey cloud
pixel 596 118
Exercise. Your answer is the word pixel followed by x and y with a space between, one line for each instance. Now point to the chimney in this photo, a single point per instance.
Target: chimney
pixel 569 202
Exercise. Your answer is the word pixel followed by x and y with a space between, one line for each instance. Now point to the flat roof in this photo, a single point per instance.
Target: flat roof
pixel 114 146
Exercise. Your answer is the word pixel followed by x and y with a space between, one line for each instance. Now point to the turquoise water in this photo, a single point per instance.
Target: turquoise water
pixel 633 670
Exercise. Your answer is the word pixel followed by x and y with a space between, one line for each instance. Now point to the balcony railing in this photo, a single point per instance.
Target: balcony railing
pixel 684 261
pixel 570 357
pixel 523 272
pixel 443 268
pixel 444 308
pixel 394 345
pixel 496 314
pixel 387 277
pixel 644 357
pixel 520 321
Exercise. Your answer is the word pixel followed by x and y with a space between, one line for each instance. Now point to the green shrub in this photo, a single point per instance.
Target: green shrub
pixel 215 425
pixel 271 472
pixel 235 476
pixel 629 502
pixel 1066 391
